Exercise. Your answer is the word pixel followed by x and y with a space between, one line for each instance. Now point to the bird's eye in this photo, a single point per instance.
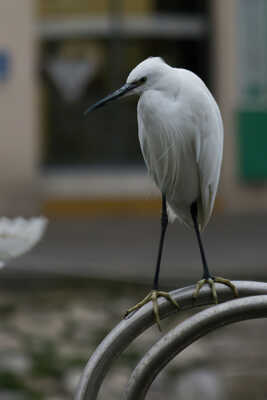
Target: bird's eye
pixel 139 82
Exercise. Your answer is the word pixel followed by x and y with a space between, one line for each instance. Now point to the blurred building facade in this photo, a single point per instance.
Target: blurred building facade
pixel 57 57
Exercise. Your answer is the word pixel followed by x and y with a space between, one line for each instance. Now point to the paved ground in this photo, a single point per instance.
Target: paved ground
pixel 125 249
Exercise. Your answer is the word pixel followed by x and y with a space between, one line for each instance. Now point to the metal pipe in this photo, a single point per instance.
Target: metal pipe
pixel 128 329
pixel 185 334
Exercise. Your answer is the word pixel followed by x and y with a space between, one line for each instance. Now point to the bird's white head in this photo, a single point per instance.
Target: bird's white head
pixel 146 75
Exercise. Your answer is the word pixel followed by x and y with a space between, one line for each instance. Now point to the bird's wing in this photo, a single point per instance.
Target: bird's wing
pixel 209 149
pixel 170 159
pixel 158 141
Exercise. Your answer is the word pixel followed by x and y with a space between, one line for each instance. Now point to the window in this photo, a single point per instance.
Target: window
pixel 82 64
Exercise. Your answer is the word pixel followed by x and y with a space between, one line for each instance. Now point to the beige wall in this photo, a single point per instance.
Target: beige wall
pixel 18 110
pixel 236 197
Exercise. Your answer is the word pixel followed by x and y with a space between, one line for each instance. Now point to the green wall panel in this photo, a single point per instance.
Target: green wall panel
pixel 252 138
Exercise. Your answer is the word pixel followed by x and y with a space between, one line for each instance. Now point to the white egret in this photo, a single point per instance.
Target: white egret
pixel 181 136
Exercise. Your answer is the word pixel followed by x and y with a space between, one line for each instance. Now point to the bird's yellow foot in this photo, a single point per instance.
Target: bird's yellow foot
pixel 153 296
pixel 211 282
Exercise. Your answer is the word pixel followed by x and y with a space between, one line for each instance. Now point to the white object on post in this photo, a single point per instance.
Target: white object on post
pixel 19 235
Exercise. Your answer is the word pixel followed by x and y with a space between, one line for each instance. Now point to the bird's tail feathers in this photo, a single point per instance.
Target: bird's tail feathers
pixel 184 218
pixel 171 214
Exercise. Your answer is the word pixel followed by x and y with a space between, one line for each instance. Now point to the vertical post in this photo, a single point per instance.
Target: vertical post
pixel 18 112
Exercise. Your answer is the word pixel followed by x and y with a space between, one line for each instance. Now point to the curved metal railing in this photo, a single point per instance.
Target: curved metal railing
pixel 252 303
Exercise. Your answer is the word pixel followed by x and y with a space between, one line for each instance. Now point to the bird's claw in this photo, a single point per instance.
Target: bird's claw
pixel 138 305
pixel 211 282
pixel 153 296
pixel 227 283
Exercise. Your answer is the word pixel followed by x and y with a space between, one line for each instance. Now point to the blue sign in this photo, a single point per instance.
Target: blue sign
pixel 4 65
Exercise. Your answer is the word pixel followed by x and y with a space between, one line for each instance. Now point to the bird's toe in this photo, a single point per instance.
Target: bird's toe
pixel 153 297
pixel 228 283
pixel 211 281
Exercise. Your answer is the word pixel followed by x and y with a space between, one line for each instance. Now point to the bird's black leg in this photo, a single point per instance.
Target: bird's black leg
pixel 164 224
pixel 207 277
pixel 155 292
pixel 206 272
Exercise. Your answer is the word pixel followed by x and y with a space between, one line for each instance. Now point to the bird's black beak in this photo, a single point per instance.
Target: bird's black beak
pixel 115 95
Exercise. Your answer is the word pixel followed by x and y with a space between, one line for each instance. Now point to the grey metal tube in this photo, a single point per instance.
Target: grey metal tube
pixel 186 333
pixel 128 329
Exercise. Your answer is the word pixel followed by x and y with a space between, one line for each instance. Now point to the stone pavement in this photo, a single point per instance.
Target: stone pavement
pixel 125 249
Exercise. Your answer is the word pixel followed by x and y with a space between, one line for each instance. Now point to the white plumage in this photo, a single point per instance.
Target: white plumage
pixel 19 235
pixel 181 137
